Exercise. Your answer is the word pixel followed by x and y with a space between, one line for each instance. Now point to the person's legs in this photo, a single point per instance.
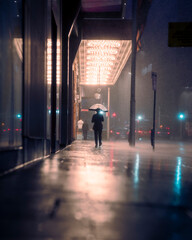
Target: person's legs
pixel 85 135
pixel 96 139
pixel 100 137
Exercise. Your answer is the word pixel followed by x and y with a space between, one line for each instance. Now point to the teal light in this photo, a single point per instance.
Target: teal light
pixel 178 179
pixel 18 115
pixel 136 170
pixel 181 116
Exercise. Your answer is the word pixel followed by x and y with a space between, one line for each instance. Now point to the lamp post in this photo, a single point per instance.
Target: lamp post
pixel 138 119
pixel 133 67
pixel 181 117
pixel 154 85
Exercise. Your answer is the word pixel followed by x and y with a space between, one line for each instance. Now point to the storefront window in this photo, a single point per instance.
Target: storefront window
pixel 49 82
pixel 11 61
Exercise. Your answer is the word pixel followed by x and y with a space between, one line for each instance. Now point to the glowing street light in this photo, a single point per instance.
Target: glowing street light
pixel 181 116
pixel 139 117
pixel 19 116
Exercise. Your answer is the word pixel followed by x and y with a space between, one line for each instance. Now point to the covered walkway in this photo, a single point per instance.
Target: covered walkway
pixel 113 193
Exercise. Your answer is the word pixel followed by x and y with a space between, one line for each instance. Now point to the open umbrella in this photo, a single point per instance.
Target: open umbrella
pixel 96 106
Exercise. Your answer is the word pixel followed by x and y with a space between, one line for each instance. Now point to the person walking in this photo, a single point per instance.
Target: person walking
pixel 85 129
pixel 97 119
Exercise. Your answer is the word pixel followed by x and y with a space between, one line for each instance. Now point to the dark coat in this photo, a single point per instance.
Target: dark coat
pixel 97 119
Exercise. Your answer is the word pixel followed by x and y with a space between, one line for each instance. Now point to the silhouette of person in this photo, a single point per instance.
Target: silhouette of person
pixel 97 119
pixel 85 129
pixel 80 124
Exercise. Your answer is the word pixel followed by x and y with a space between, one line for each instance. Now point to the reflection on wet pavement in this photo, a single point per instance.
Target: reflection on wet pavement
pixel 114 193
pixel 177 186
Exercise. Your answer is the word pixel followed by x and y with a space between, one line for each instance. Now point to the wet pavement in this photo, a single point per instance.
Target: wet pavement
pixel 113 193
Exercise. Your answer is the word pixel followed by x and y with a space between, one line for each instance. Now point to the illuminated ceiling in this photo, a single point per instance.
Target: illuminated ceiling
pixel 101 5
pixel 101 61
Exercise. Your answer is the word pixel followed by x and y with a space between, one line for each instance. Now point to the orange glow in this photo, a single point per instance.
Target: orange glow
pixel 18 42
pixel 84 110
pixel 49 62
pixel 101 61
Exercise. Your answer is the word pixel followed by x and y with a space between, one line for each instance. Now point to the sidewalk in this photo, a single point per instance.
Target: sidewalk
pixel 113 193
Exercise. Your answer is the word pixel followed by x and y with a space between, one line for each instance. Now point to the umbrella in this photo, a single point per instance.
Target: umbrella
pixel 96 106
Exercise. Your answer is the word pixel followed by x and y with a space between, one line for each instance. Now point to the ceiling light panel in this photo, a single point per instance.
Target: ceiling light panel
pixel 101 61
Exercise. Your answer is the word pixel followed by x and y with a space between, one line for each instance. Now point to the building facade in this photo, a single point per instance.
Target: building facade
pixel 36 93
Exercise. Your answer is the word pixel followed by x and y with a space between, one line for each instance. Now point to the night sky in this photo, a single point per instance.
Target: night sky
pixel 173 67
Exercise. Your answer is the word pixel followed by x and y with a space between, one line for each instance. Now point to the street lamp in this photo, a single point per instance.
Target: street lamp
pixel 181 116
pixel 139 117
pixel 19 116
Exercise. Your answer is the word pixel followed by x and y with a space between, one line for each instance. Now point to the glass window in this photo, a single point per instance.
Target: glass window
pixel 11 59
